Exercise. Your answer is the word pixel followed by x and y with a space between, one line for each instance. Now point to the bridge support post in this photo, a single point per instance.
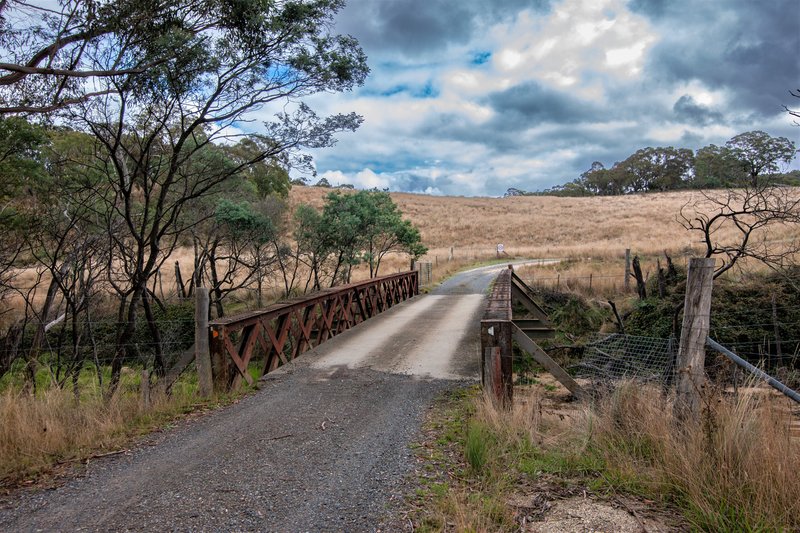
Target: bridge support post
pixel 497 360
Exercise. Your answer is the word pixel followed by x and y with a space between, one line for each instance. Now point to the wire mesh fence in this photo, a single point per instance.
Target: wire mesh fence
pixel 613 357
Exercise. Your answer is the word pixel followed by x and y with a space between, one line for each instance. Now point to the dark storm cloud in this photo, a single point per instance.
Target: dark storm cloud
pixel 748 48
pixel 530 104
pixel 422 27
pixel 687 110
pixel 453 127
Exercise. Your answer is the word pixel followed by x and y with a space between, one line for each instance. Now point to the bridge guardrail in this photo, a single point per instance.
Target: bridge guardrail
pixel 499 330
pixel 287 329
pixel 496 335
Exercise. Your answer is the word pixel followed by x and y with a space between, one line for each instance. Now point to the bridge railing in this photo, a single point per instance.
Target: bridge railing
pixel 496 335
pixel 285 330
pixel 499 330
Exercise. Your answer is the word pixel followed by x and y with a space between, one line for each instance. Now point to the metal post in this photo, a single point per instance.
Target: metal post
pixel 627 270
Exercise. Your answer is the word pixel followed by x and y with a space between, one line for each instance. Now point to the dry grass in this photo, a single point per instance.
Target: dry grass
pixel 733 470
pixel 39 432
pixel 544 226
pixel 592 233
pixel 518 424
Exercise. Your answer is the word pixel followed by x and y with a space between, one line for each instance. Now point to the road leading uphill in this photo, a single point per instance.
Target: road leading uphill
pixel 323 446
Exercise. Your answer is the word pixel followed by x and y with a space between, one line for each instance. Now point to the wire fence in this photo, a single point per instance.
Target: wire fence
pixel 611 359
pixel 615 357
pixel 95 342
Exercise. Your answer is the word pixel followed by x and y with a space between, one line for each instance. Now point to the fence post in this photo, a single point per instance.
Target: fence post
pixel 692 348
pixel 627 270
pixel 179 286
pixel 202 355
pixel 144 389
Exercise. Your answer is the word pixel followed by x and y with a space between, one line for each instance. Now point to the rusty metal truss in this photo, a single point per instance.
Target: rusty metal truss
pixel 283 331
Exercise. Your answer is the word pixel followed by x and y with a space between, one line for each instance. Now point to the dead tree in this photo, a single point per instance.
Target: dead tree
pixel 751 213
pixel 641 289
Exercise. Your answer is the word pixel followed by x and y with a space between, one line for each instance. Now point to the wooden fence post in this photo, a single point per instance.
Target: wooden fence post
pixel 692 350
pixel 627 270
pixel 202 355
pixel 144 389
pixel 497 360
pixel 179 287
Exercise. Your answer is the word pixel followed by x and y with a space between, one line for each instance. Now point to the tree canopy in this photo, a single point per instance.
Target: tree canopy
pixel 746 159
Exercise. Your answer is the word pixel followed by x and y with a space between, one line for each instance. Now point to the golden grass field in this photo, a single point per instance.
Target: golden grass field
pixel 592 233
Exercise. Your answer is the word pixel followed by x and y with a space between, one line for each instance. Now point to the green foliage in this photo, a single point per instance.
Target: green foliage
pixel 715 167
pixel 269 176
pixel 577 316
pixel 20 156
pixel 478 445
pixel 760 154
pixel 656 169
pixel 175 48
pixel 741 314
pixel 243 222
pixel 353 228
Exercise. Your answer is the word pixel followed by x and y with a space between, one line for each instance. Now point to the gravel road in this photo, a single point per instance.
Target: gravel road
pixel 323 446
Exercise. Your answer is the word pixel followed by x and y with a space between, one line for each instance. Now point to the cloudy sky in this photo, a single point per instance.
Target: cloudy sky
pixel 471 97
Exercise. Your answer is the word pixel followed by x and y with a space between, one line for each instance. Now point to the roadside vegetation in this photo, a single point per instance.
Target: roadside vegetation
pixel 491 469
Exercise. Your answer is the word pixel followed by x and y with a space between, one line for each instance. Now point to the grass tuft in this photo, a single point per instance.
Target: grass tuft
pixel 732 470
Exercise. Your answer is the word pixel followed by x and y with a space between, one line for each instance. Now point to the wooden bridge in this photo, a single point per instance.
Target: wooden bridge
pixel 499 328
pixel 285 330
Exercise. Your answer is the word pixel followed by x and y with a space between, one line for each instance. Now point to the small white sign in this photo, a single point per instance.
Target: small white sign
pixel 500 248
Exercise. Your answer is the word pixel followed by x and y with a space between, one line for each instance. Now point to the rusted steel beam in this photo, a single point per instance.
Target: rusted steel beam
pixel 301 302
pixel 286 330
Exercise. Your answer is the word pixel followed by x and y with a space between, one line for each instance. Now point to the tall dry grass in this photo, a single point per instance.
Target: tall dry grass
pixel 53 427
pixel 546 226
pixel 734 469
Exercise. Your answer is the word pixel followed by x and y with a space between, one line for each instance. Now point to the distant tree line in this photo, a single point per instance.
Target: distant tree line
pixel 749 159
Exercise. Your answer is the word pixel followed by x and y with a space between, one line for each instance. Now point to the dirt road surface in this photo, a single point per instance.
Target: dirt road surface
pixel 323 446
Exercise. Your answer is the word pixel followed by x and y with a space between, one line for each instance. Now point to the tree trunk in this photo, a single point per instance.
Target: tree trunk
pixel 215 284
pixel 159 364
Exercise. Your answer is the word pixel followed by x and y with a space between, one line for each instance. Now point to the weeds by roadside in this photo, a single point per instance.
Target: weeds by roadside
pixel 733 470
pixel 40 433
pixel 487 469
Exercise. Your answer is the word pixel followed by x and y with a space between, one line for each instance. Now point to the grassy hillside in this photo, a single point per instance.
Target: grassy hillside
pixel 592 232
pixel 544 226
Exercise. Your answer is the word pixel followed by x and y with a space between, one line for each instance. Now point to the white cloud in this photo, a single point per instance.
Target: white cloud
pixel 431 126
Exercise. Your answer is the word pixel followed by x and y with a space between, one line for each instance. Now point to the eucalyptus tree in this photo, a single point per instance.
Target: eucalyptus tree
pixel 21 144
pixel 187 76
pixel 759 154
